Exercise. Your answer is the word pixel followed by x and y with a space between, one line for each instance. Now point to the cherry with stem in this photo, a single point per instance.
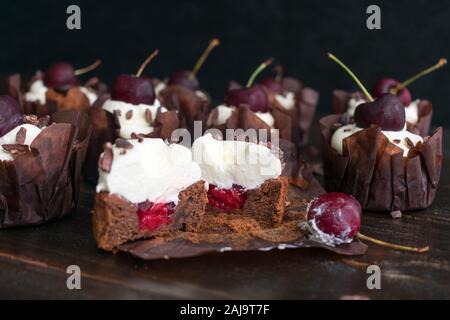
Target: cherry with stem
pixel 214 43
pixel 258 70
pixel 89 68
pixel 135 89
pixel 355 78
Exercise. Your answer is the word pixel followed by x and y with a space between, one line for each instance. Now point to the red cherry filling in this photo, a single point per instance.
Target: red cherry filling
pixel 335 217
pixel 152 216
pixel 226 199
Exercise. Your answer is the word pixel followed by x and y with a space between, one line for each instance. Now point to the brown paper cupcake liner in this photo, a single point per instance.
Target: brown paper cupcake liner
pixel 374 170
pixel 188 104
pixel 42 183
pixel 422 127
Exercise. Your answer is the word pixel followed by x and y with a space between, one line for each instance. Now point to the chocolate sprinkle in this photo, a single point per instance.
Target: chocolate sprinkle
pixel 409 142
pixel 107 159
pixel 14 148
pixel 32 119
pixel 129 114
pixel 21 135
pixel 140 137
pixel 148 116
pixel 397 141
pixel 124 144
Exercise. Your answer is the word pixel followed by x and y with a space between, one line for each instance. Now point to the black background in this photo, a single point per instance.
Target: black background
pixel 414 35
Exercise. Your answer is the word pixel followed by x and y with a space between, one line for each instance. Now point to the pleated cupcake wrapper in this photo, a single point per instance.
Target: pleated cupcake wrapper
pixel 374 170
pixel 43 183
pixel 422 127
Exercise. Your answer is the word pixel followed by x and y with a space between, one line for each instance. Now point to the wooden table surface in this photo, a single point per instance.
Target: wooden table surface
pixel 33 263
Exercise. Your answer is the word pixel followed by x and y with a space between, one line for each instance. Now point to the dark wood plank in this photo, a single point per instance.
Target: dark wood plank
pixel 33 264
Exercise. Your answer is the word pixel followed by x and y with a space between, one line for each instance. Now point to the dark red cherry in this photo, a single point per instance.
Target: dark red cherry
pixel 387 112
pixel 61 76
pixel 272 84
pixel 133 89
pixel 336 217
pixel 226 199
pixel 184 78
pixel 152 216
pixel 385 85
pixel 11 114
pixel 255 97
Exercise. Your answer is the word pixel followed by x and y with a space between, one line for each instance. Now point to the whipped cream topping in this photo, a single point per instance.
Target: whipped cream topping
pixel 266 117
pixel 287 100
pixel 223 113
pixel 398 138
pixel 353 103
pixel 38 93
pixel 226 163
pixel 133 118
pixel 11 138
pixel 160 87
pixel 149 170
pixel 201 95
pixel 91 95
pixel 412 112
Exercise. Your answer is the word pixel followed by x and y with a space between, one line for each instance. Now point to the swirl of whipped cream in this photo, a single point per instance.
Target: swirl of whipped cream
pixel 149 170
pixel 226 163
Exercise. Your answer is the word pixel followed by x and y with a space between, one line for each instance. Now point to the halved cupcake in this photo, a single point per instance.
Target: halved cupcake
pixel 244 178
pixel 146 188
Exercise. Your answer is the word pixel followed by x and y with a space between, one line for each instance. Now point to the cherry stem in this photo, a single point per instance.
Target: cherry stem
pixel 339 62
pixel 442 62
pixel 88 68
pixel 255 73
pixel 279 70
pixel 146 62
pixel 214 43
pixel 393 246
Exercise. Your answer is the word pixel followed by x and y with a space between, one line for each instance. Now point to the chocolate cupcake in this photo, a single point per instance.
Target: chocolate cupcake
pixel 40 164
pixel 376 159
pixel 277 103
pixel 58 89
pixel 419 112
pixel 132 111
